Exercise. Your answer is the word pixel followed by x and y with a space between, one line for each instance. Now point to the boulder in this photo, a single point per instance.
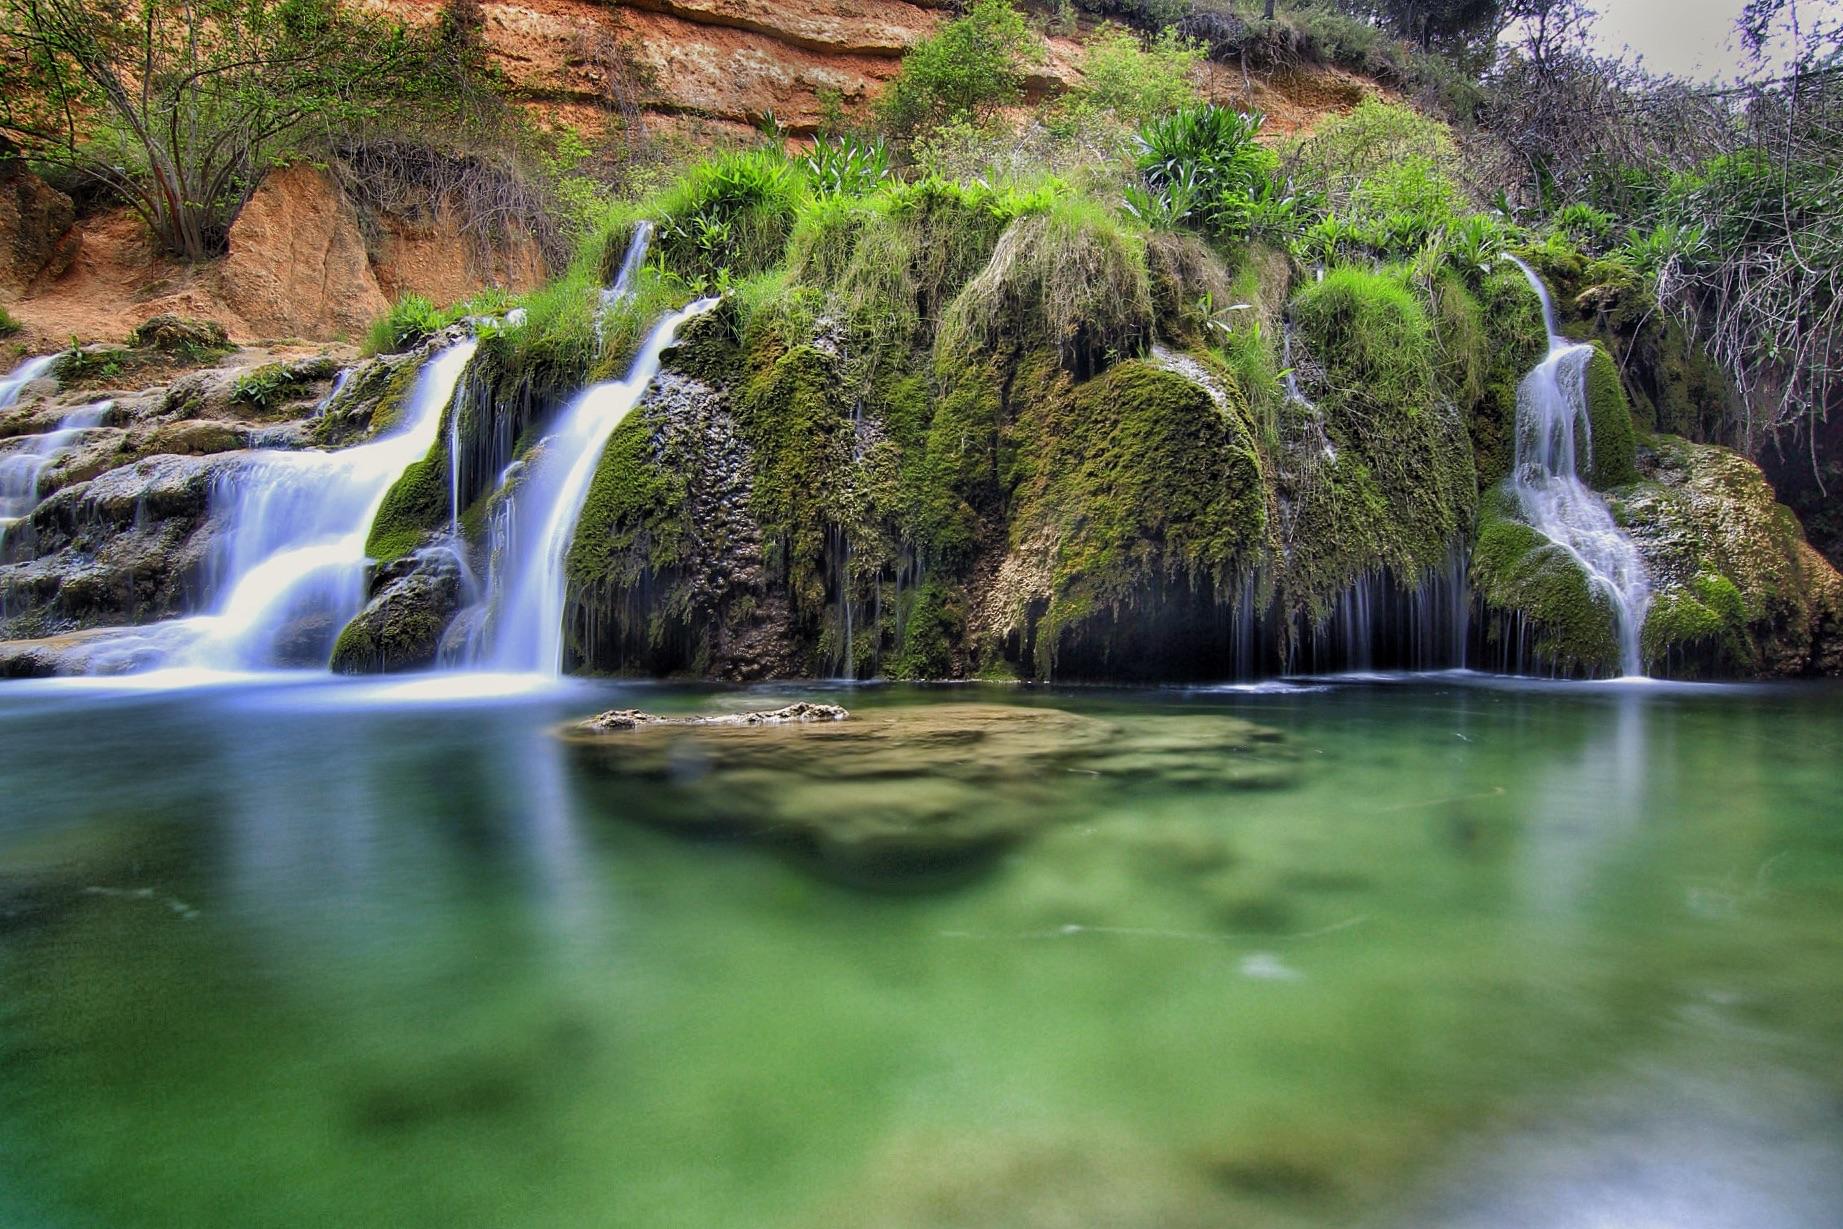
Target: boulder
pixel 401 627
pixel 298 264
pixel 39 237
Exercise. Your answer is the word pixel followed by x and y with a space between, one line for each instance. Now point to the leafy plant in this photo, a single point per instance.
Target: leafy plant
pixel 1208 155
pixel 9 327
pixel 1474 243
pixel 846 166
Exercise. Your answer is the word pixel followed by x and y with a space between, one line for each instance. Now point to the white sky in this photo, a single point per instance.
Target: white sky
pixel 1691 38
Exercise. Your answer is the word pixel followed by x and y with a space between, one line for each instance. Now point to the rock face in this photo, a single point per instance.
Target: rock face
pixel 297 264
pixel 38 235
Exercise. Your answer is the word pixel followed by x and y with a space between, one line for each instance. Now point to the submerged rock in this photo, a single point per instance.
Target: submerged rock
pixel 900 797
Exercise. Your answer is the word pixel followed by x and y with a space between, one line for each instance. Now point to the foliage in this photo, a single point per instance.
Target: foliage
pixel 1137 79
pixel 964 71
pixel 847 166
pixel 8 325
pixel 1201 168
pixel 730 217
pixel 180 108
pixel 409 321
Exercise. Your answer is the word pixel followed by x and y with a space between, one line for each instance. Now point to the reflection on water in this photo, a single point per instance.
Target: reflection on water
pixel 1437 952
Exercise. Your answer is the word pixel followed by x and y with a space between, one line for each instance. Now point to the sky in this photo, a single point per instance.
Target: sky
pixel 1691 38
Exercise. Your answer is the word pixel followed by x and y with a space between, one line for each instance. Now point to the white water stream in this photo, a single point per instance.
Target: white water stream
pixel 526 632
pixel 21 468
pixel 295 553
pixel 1554 435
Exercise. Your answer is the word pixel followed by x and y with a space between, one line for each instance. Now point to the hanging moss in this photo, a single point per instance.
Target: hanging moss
pixel 1141 476
pixel 1514 342
pixel 1518 572
pixel 415 507
pixel 1614 461
pixel 1391 482
pixel 1073 280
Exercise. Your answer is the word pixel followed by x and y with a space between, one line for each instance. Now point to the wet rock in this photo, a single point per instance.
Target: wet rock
pixel 618 719
pixel 401 627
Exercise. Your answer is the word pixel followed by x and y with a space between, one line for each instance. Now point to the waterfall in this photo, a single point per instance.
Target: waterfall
pixel 1553 430
pixel 293 562
pixel 527 622
pixel 21 468
pixel 14 381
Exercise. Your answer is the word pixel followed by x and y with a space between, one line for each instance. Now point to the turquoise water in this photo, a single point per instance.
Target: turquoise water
pixel 1411 953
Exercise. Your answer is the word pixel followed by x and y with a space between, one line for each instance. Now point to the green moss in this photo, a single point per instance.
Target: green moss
pixel 1073 279
pixel 636 516
pixel 1704 622
pixel 414 507
pixel 1394 482
pixel 1615 451
pixel 1518 572
pixel 1143 479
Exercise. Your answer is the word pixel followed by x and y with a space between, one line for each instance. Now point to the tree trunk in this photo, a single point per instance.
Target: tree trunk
pixel 1267 13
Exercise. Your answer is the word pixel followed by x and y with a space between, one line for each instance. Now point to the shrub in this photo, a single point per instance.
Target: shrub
pixel 1137 80
pixel 1201 166
pixel 9 326
pixel 966 70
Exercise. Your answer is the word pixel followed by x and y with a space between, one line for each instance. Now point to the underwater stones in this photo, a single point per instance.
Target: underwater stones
pixel 895 797
pixel 401 627
pixel 618 719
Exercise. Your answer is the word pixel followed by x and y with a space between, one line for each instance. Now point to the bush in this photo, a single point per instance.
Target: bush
pixel 965 71
pixel 9 326
pixel 1200 167
pixel 1137 80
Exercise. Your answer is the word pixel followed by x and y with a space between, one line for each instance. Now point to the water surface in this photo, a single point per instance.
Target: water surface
pixel 1406 953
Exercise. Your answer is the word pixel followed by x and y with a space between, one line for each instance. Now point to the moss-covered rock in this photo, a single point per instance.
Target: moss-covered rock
pixel 1614 459
pixel 1738 590
pixel 1142 481
pixel 401 627
pixel 1379 472
pixel 1545 613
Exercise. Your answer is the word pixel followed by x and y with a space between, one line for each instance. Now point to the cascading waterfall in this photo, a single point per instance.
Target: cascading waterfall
pixel 294 559
pixel 14 381
pixel 1553 432
pixel 21 468
pixel 526 634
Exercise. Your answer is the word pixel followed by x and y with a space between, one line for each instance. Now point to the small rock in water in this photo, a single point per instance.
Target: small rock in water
pixel 616 719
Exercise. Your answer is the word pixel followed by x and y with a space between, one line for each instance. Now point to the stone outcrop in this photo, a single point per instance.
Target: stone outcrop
pixel 38 234
pixel 297 264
